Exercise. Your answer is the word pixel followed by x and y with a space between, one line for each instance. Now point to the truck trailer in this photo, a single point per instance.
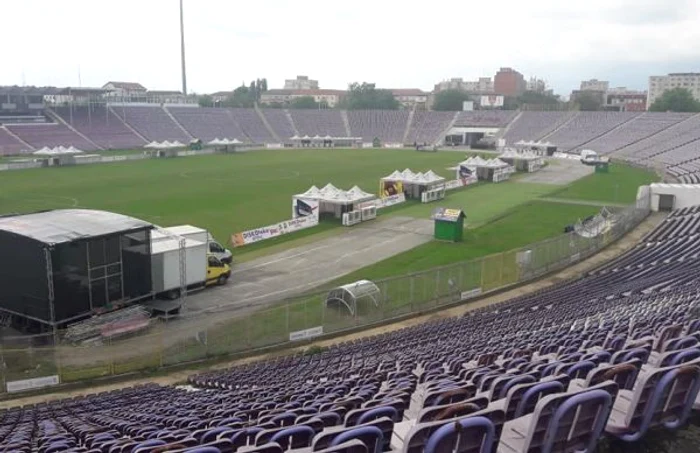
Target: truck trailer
pixel 202 235
pixel 175 257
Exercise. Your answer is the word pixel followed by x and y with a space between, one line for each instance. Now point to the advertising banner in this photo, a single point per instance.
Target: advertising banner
pixel 30 384
pixel 306 334
pixel 390 188
pixel 304 207
pixel 491 100
pixel 271 231
pixel 391 200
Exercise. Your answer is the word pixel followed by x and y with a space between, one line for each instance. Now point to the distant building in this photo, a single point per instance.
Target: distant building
pixel 129 90
pixel 301 83
pixel 482 85
pixel 623 100
pixel 220 96
pixel 329 97
pixel 595 85
pixel 509 82
pixel 659 84
pixel 410 97
pixel 537 85
pixel 166 97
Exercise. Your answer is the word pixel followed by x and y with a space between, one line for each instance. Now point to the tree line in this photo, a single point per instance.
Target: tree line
pixel 365 96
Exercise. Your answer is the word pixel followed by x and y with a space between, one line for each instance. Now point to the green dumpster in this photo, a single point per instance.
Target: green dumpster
pixel 449 224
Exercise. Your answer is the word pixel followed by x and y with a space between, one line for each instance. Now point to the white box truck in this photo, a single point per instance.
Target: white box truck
pixel 202 235
pixel 201 269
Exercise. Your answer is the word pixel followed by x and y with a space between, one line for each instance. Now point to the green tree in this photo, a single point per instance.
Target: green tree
pixel 589 101
pixel 366 96
pixel 450 100
pixel 263 85
pixel 303 102
pixel 242 96
pixel 205 100
pixel 537 98
pixel 676 100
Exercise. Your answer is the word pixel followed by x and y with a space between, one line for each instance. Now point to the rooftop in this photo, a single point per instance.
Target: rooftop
pixel 66 225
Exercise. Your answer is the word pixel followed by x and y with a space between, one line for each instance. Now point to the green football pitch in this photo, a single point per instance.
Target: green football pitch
pixel 234 192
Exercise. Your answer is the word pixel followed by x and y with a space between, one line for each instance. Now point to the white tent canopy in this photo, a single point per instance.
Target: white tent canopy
pixel 331 194
pixel 408 176
pixel 351 293
pixel 164 145
pixel 57 151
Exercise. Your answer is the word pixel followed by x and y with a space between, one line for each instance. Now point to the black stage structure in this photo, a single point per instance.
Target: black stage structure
pixel 62 265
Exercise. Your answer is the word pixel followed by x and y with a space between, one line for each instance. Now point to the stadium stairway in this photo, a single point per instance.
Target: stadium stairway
pixel 177 123
pixel 447 129
pixel 267 124
pixel 408 125
pixel 128 126
pixel 564 124
pixel 346 122
pixel 17 138
pixel 57 118
pixel 291 121
pixel 502 132
pixel 670 127
pixel 619 126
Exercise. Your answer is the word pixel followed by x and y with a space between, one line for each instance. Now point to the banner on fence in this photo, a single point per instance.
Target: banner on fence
pixel 471 293
pixel 271 231
pixel 274 145
pixel 31 384
pixel 306 334
pixel 457 183
pixel 391 201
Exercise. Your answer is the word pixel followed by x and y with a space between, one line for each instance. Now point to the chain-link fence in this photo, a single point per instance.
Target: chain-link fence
pixel 186 340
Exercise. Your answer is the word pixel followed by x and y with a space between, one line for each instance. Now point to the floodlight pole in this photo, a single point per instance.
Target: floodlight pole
pixel 182 50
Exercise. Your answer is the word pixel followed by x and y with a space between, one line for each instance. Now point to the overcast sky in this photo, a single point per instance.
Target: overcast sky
pixel 396 44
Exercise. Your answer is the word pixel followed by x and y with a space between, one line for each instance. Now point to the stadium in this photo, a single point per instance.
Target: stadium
pixel 482 280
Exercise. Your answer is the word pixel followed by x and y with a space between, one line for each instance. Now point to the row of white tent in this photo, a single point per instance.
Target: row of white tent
pixel 330 193
pixel 531 143
pixel 164 145
pixel 224 142
pixel 513 154
pixel 408 176
pixel 57 151
pixel 319 138
pixel 478 162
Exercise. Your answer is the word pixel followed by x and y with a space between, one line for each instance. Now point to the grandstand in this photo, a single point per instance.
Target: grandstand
pixel 652 139
pixel 614 353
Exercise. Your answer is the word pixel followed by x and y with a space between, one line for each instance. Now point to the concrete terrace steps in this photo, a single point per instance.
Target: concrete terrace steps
pixel 128 126
pixel 346 122
pixel 267 124
pixel 177 123
pixel 291 121
pixel 503 131
pixel 671 126
pixel 408 126
pixel 57 118
pixel 17 137
pixel 564 124
pixel 233 120
pixel 623 124
pixel 447 129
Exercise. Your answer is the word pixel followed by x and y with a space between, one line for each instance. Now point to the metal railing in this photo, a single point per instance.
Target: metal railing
pixel 210 335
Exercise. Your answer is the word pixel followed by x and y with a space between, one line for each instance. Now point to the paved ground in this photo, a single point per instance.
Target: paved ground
pixel 297 270
pixel 614 250
pixel 559 172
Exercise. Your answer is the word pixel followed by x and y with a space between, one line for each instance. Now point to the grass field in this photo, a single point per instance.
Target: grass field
pixel 223 193
pixel 524 224
pixel 618 186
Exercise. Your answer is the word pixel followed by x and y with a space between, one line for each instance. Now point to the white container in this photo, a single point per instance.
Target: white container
pixel 165 263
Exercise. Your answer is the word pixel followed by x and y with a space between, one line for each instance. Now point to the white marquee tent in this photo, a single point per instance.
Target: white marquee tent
pixel 414 183
pixel 334 200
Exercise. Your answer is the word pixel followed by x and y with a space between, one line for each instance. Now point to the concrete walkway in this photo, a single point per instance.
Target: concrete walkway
pixel 583 202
